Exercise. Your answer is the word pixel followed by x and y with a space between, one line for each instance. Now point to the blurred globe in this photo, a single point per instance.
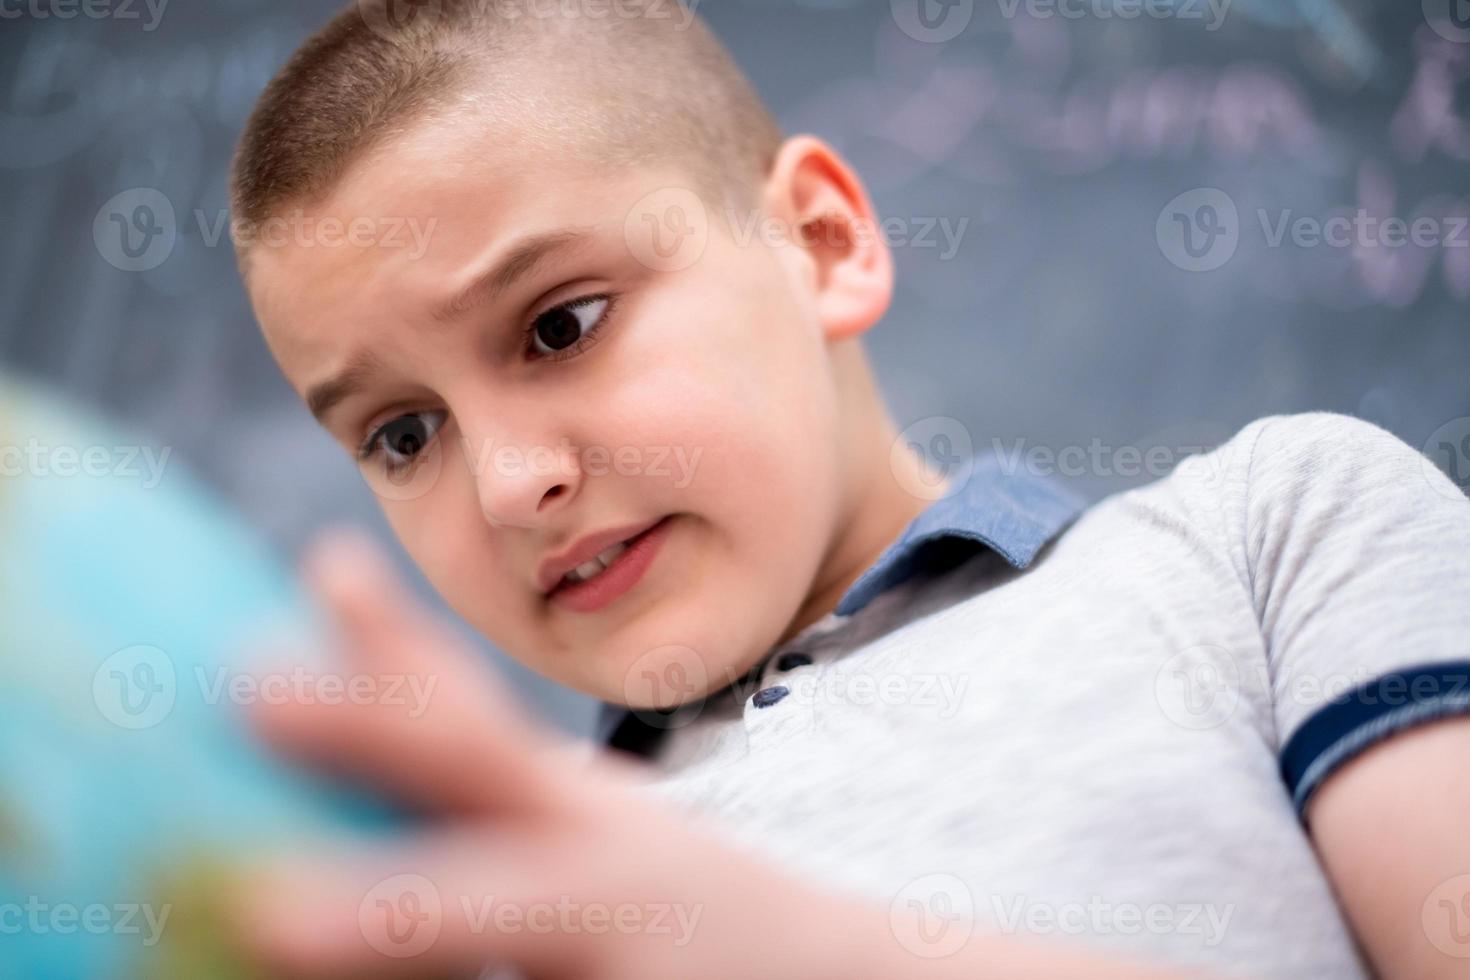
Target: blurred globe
pixel 131 603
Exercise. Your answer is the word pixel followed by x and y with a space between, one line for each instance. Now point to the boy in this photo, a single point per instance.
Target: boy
pixel 1211 724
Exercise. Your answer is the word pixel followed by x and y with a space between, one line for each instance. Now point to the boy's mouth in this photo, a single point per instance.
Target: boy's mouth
pixel 600 567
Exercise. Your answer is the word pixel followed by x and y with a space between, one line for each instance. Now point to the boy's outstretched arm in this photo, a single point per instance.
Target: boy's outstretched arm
pixel 537 853
pixel 1356 554
pixel 1391 830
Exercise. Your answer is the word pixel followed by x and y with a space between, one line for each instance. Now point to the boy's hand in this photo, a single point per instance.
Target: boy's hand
pixel 538 853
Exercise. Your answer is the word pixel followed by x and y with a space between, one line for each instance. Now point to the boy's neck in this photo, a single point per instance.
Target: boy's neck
pixel 884 510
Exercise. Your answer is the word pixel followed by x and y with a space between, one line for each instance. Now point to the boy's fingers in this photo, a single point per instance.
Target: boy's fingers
pixel 381 626
pixel 409 708
pixel 450 906
pixel 418 761
pixel 549 904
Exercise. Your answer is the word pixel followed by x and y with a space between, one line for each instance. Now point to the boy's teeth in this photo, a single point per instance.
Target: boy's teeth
pixel 593 568
pixel 588 569
pixel 612 552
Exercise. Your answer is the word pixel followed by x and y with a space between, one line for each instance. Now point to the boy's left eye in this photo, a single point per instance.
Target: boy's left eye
pixel 563 331
pixel 403 438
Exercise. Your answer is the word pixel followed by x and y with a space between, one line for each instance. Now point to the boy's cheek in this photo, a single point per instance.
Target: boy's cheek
pixel 446 537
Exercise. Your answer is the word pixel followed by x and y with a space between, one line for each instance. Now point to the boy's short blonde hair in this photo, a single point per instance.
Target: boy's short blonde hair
pixel 620 82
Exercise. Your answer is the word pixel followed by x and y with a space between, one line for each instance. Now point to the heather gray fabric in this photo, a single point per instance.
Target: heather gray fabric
pixel 1087 750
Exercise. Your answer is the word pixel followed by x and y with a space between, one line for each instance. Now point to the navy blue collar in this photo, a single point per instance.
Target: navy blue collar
pixel 1014 514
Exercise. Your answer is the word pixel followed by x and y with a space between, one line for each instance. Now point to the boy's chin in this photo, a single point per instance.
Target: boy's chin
pixel 652 675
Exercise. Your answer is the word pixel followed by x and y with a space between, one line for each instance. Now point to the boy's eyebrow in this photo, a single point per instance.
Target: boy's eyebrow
pixel 322 397
pixel 519 261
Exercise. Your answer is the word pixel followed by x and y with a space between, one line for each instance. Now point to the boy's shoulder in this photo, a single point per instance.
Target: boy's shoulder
pixel 1307 455
pixel 1326 442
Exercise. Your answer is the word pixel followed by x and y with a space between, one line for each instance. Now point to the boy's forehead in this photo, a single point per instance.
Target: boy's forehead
pixel 410 220
pixel 461 176
pixel 407 221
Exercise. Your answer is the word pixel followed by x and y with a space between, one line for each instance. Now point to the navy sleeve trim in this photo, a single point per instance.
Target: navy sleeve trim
pixel 1348 724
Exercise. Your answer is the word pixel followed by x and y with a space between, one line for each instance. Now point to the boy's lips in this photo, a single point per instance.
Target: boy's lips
pixel 549 574
pixel 624 571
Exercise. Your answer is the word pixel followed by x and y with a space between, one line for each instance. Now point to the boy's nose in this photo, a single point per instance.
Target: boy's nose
pixel 520 485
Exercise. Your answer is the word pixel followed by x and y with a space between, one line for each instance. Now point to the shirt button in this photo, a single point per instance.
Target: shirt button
pixel 792 660
pixel 769 696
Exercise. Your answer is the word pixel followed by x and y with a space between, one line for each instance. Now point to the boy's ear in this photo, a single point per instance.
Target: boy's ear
pixel 830 228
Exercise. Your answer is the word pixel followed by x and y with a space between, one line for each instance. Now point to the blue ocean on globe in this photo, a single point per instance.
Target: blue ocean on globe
pixel 128 602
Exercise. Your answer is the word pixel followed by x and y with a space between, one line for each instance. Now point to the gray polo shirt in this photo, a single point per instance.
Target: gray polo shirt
pixel 1100 727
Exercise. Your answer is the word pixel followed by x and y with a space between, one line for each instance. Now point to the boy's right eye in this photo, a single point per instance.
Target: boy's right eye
pixel 403 438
